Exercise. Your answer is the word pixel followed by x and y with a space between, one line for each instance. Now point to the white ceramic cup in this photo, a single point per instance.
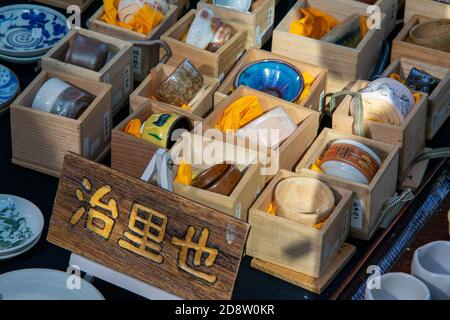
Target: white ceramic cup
pixel 200 33
pixel 396 286
pixel 48 93
pixel 431 264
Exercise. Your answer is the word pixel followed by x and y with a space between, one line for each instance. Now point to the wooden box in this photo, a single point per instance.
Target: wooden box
pixel 369 199
pixel 41 139
pixel 144 57
pixel 258 22
pixel 247 190
pixel 129 154
pixel 317 91
pixel 410 136
pixel 64 4
pixel 182 6
pixel 428 8
pixel 438 100
pixel 401 48
pixel 142 95
pixel 294 245
pixel 290 149
pixel 342 62
pixel 217 64
pixel 118 71
pixel 388 7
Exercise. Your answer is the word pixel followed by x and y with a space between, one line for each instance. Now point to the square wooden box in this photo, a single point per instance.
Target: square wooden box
pixel 258 22
pixel 131 155
pixel 317 91
pixel 144 57
pixel 294 245
pixel 244 194
pixel 410 136
pixel 342 62
pixel 212 64
pixel 438 100
pixel 40 139
pixel 388 7
pixel 369 199
pixel 64 4
pixel 428 8
pixel 293 147
pixel 401 48
pixel 118 71
pixel 202 105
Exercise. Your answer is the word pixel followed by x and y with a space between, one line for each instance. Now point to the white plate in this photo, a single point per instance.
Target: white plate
pixel 20 60
pixel 44 284
pixel 16 253
pixel 22 225
pixel 30 30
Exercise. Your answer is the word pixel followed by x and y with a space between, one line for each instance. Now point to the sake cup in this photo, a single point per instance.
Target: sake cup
pixel 48 94
pixel 431 264
pixel 160 128
pixel 396 286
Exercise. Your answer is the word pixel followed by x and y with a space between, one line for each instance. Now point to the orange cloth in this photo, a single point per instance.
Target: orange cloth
pixel 145 20
pixel 272 210
pixel 313 24
pixel 363 26
pixel 308 80
pixel 133 127
pixel 239 113
pixel 184 174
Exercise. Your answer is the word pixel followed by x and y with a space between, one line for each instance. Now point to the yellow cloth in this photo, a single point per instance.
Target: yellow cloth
pixel 314 24
pixel 133 127
pixel 316 167
pixel 308 79
pixel 184 174
pixel 239 113
pixel 145 20
pixel 272 210
pixel 363 26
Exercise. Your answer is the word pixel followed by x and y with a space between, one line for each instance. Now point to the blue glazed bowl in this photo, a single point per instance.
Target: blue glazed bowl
pixel 275 77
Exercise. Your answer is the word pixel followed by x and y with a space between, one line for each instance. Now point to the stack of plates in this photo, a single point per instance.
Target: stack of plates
pixel 27 32
pixel 45 284
pixel 9 87
pixel 21 224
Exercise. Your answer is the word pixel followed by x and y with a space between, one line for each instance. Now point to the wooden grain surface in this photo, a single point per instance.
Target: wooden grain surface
pixel 165 270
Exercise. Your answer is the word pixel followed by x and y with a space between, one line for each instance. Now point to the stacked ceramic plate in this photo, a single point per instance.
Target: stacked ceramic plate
pixel 45 284
pixel 27 32
pixel 21 224
pixel 9 87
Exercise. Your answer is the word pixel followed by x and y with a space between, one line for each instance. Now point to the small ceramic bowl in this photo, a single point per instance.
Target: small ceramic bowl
pixel 161 129
pixel 350 160
pixel 431 264
pixel 274 77
pixel 181 86
pixel 396 286
pixel 304 200
pixel 220 178
pixel 241 5
pixel 434 34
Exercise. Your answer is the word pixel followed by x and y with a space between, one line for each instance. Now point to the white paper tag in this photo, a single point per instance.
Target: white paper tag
pixel 237 212
pixel 137 65
pixel 127 79
pixel 321 101
pixel 86 147
pixel 258 36
pixel 271 17
pixel 357 213
pixel 106 127
pixel 94 146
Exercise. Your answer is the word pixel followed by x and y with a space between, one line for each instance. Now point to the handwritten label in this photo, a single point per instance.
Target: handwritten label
pixel 357 213
pixel 271 17
pixel 237 212
pixel 106 126
pixel 137 63
pixel 321 101
pixel 127 79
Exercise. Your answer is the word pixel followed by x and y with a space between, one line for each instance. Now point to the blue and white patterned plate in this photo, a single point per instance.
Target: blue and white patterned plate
pixel 9 86
pixel 30 30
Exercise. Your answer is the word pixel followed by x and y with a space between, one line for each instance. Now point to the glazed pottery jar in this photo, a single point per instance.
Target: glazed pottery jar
pixel 161 129
pixel 386 100
pixel 60 98
pixel 396 286
pixel 350 160
pixel 431 264
pixel 304 200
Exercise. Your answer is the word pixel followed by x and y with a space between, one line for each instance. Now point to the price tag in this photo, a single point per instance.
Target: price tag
pixel 357 214
pixel 137 55
pixel 106 126
pixel 237 212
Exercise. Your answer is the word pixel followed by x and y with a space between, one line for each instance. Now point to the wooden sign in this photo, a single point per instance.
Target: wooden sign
pixel 145 232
